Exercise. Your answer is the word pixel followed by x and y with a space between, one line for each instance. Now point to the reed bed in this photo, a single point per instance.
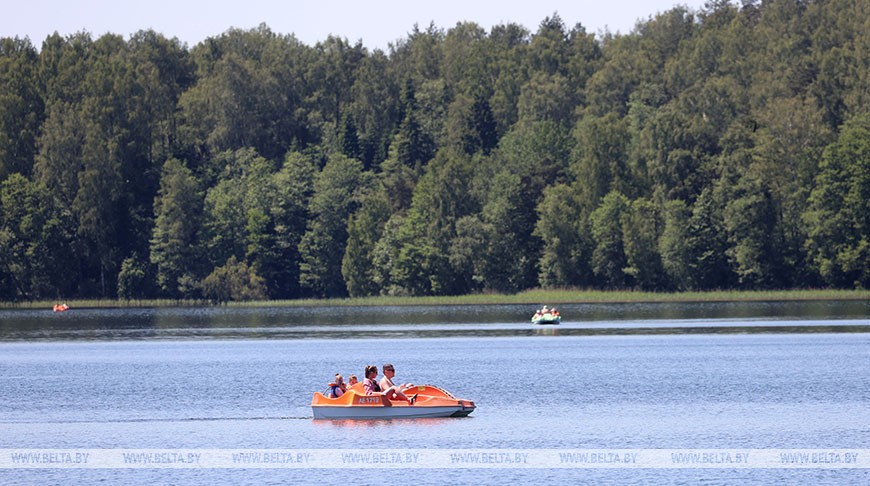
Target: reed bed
pixel 535 296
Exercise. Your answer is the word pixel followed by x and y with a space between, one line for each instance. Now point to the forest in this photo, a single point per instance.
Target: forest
pixel 723 148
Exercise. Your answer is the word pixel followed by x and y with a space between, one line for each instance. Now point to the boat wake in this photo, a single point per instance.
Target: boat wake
pixel 156 419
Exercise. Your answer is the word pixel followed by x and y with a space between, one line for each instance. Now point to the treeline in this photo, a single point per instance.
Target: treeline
pixel 723 148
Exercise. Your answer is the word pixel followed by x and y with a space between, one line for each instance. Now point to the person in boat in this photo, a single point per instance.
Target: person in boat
pixel 387 380
pixel 336 388
pixel 352 380
pixel 371 387
pixel 540 312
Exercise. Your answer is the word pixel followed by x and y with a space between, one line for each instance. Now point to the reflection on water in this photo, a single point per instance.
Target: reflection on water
pixel 418 424
pixel 432 321
pixel 546 331
pixel 156 420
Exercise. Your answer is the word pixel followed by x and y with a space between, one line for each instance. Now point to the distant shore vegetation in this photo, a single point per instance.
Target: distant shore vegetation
pixel 533 297
pixel 720 148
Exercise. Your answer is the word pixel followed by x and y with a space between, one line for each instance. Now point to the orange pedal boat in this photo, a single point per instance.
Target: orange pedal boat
pixel 431 402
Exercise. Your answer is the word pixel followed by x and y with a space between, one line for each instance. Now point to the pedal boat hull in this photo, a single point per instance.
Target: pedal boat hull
pixel 431 402
pixel 547 319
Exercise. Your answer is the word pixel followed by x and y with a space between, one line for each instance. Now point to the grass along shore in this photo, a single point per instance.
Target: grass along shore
pixel 530 297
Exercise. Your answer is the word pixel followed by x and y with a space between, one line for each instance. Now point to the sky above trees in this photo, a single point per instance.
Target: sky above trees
pixel 377 23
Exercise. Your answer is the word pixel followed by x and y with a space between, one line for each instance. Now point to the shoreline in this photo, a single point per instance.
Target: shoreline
pixel 529 297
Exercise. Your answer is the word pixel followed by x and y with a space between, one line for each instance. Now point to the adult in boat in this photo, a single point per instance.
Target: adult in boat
pixel 371 387
pixel 336 388
pixel 387 380
pixel 546 310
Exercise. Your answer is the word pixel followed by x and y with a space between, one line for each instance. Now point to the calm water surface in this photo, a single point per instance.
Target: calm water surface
pixel 614 377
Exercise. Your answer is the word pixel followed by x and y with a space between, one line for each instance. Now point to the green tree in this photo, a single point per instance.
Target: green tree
pixel 348 138
pixel 750 224
pixel 410 150
pixel 60 149
pixel 413 146
pixel 549 49
pixel 566 242
pixel 643 226
pixel 96 207
pixel 63 69
pixel 118 176
pixel 668 149
pixel 21 107
pixel 34 242
pixel 706 246
pixel 436 113
pixel 673 247
pixel 546 97
pixel 469 255
pixel 788 146
pixel 175 243
pixel 258 215
pixel 838 217
pixel 510 44
pixel 133 280
pixel 725 110
pixel 236 220
pixel 600 158
pixel 539 153
pixel 161 71
pixel 471 126
pixel 365 229
pixel 375 106
pixel 440 198
pixel 332 71
pixel 110 108
pixel 584 59
pixel 421 54
pixel 249 94
pixel 234 281
pixel 466 62
pixel 336 197
pixel 291 190
pixel 609 262
pixel 512 252
pixel 529 159
pixel 385 256
pixel 624 67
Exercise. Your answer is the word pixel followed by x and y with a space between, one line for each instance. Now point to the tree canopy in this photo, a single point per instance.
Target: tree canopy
pixel 727 147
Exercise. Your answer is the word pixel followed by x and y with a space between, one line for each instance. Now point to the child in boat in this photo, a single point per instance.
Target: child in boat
pixel 336 388
pixel 351 381
pixel 371 386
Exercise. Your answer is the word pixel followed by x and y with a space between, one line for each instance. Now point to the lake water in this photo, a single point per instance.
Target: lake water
pixel 610 377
